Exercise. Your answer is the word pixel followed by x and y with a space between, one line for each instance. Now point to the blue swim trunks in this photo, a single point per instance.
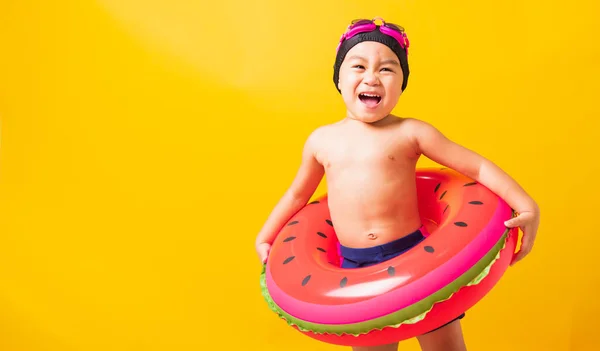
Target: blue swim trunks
pixel 364 257
pixel 368 256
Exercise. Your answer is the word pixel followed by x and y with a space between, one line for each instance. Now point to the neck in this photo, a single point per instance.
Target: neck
pixel 352 119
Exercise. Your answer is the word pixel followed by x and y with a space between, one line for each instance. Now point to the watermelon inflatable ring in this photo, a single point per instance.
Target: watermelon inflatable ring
pixel 466 251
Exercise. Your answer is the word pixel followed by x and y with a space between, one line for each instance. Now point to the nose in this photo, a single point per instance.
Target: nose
pixel 370 78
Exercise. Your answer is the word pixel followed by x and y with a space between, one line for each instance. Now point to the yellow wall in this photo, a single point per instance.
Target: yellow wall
pixel 144 144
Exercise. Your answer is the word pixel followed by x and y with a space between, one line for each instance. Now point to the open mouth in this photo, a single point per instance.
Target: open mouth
pixel 371 100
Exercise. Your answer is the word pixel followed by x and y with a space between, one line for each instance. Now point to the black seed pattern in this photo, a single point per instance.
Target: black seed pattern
pixel 289 239
pixel 321 234
pixel 292 223
pixel 443 194
pixel 476 203
pixel 469 184
pixel 437 187
pixel 314 202
pixel 329 222
pixel 391 271
pixel 305 280
pixel 445 209
pixel 429 249
pixel 289 259
pixel 321 249
pixel 343 282
pixel 460 224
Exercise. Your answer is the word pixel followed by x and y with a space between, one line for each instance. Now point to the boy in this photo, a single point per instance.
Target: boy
pixel 369 159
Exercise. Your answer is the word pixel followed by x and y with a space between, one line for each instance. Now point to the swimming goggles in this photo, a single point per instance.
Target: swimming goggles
pixel 364 25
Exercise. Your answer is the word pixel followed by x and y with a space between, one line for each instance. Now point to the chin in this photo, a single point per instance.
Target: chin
pixel 370 117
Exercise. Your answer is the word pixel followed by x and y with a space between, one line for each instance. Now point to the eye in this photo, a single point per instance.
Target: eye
pixel 358 66
pixel 387 69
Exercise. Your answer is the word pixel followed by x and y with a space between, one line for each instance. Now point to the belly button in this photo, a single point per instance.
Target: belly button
pixel 372 236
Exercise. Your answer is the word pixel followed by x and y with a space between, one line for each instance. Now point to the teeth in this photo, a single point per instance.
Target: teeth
pixel 370 95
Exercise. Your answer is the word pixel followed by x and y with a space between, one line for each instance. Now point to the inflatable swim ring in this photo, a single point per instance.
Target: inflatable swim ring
pixel 466 252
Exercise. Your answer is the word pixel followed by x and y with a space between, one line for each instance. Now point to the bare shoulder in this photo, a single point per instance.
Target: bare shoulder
pixel 322 133
pixel 413 125
pixel 316 140
pixel 316 137
pixel 419 133
pixel 418 129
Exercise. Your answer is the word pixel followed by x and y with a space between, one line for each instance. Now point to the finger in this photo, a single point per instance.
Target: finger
pixel 514 222
pixel 264 253
pixel 527 244
pixel 520 255
pixel 261 255
pixel 526 247
pixel 516 258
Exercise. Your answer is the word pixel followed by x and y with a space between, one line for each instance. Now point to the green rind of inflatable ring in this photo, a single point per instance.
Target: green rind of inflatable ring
pixel 409 315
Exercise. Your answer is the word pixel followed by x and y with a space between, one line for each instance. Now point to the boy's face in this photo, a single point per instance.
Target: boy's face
pixel 370 81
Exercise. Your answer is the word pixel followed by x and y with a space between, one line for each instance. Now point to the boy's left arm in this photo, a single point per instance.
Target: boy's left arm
pixel 434 145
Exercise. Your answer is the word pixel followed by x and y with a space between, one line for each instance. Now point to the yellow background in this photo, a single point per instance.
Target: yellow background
pixel 144 143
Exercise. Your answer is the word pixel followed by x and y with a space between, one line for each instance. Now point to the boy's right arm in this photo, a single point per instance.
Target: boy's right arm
pixel 305 183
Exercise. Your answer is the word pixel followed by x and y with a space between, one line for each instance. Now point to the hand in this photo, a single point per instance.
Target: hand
pixel 262 249
pixel 528 222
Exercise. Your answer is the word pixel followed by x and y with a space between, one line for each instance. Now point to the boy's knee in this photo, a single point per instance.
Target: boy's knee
pixel 446 338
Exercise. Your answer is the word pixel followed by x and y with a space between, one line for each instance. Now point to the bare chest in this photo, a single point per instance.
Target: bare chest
pixel 379 152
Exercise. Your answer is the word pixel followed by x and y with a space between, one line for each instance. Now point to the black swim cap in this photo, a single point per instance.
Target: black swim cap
pixel 377 36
